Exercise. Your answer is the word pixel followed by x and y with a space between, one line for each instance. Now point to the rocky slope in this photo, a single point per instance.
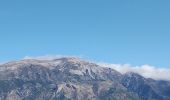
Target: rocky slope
pixel 75 79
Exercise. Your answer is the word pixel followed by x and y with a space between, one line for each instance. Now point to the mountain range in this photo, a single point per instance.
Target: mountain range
pixel 71 78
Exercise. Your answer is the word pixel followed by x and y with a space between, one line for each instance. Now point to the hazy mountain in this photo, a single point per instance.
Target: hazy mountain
pixel 75 79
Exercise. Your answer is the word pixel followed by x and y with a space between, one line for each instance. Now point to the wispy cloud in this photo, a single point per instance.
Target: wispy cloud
pixel 144 70
pixel 49 57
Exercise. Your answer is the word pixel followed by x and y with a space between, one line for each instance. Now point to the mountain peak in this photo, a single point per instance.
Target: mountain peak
pixel 76 79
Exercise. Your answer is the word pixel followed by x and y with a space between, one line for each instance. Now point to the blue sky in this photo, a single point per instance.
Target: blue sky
pixel 115 31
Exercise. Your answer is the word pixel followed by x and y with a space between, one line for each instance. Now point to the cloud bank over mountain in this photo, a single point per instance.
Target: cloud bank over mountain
pixel 144 70
pixel 147 71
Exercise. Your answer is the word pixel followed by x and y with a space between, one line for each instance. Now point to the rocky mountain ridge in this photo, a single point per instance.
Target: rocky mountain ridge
pixel 71 78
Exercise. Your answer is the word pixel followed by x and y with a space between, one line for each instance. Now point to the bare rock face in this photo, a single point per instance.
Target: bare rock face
pixel 74 79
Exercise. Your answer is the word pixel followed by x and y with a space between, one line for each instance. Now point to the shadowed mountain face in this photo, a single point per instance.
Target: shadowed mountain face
pixel 74 79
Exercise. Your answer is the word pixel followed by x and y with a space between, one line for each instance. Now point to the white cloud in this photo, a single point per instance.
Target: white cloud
pixel 144 70
pixel 49 57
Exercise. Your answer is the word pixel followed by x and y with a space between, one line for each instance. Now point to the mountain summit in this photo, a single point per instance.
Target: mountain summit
pixel 70 78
